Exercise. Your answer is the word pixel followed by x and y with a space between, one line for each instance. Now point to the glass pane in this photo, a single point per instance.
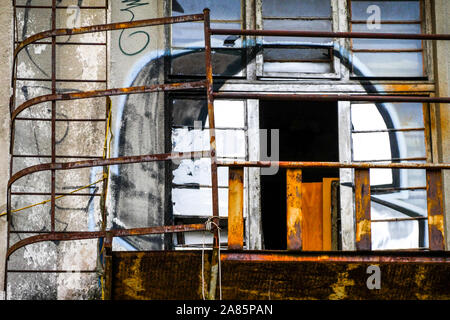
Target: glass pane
pixel 395 235
pixel 297 67
pixel 198 201
pixel 283 54
pixel 315 25
pixel 409 115
pixel 186 111
pixel 225 62
pixel 198 172
pixel 191 35
pixel 387 43
pixel 228 113
pixel 367 117
pixel 296 8
pixel 220 10
pixel 230 143
pixel 371 146
pixel 397 64
pixel 390 10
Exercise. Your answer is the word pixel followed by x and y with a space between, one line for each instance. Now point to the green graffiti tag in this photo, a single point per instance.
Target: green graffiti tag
pixel 130 5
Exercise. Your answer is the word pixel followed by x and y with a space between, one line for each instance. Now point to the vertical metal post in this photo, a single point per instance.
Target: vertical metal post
pixel 294 214
pixel 435 207
pixel 53 172
pixel 212 133
pixel 236 208
pixel 362 209
pixel 107 286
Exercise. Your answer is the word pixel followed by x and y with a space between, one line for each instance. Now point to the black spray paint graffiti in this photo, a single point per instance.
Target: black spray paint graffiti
pixel 129 6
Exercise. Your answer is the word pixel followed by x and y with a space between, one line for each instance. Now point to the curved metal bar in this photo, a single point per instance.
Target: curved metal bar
pixel 340 165
pixel 104 27
pixel 99 93
pixel 107 92
pixel 106 162
pixel 66 236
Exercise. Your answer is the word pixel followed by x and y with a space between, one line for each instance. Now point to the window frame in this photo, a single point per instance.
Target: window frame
pixel 425 16
pixel 335 64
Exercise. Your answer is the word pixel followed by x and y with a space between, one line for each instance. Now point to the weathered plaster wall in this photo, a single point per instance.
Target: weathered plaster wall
pixel 74 213
pixel 136 59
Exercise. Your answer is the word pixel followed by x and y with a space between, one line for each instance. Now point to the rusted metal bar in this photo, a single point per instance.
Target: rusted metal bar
pixel 394 159
pixel 53 131
pixel 348 256
pixel 389 130
pixel 329 97
pixel 106 162
pixel 51 271
pixel 61 80
pixel 236 209
pixel 106 27
pixel 338 165
pixel 61 7
pixel 69 43
pixel 399 219
pixel 362 209
pixel 212 133
pixel 67 236
pixel 107 92
pixel 108 272
pixel 57 193
pixel 64 120
pixel 329 34
pixel 56 156
pixel 294 214
pixel 435 210
pixel 97 94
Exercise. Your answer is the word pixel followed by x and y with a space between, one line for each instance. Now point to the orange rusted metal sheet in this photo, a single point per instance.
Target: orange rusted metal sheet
pixel 236 208
pixel 435 210
pixel 312 226
pixel 362 209
pixel 294 209
pixel 250 275
pixel 326 230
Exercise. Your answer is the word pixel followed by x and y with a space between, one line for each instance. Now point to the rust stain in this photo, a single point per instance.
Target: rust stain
pixel 294 215
pixel 343 281
pixel 133 286
pixel 363 228
pixel 236 208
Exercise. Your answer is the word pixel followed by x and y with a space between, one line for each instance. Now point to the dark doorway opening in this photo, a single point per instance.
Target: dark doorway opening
pixel 308 131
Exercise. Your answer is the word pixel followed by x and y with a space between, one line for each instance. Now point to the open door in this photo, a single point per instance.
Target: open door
pixel 308 131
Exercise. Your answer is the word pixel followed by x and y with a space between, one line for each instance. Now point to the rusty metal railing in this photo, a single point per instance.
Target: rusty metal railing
pixel 54 166
pixel 362 181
